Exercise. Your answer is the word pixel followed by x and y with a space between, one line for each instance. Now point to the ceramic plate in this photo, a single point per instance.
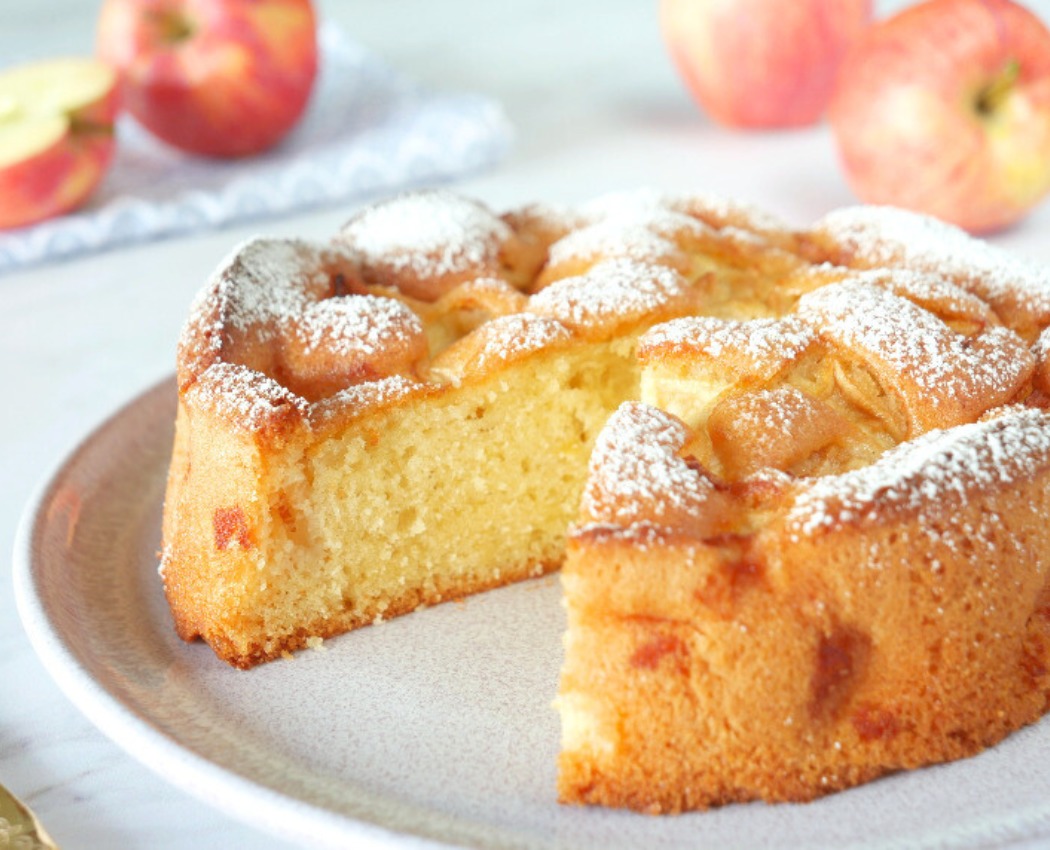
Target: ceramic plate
pixel 431 729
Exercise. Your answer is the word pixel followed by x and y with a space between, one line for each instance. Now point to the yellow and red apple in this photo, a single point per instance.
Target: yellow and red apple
pixel 944 108
pixel 56 136
pixel 761 63
pixel 220 78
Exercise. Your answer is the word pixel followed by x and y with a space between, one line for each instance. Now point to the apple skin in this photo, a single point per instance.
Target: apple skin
pixel 761 63
pixel 62 176
pixel 919 123
pixel 222 78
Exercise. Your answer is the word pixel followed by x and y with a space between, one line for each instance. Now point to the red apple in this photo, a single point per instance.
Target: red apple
pixel 56 136
pixel 945 109
pixel 214 77
pixel 761 63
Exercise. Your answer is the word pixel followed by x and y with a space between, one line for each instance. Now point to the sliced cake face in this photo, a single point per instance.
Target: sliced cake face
pixel 795 476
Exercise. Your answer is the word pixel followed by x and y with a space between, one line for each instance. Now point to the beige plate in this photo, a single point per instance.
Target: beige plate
pixel 432 728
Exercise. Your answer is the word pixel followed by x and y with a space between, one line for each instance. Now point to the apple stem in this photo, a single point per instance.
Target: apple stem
pixel 90 128
pixel 990 98
pixel 173 27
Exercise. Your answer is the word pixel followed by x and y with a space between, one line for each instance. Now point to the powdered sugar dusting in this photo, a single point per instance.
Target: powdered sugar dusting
pixel 892 237
pixel 609 293
pixel 260 286
pixel 266 281
pixel 770 413
pixel 626 202
pixel 927 474
pixel 244 396
pixel 489 286
pixel 281 287
pixel 646 234
pixel 362 398
pixel 356 326
pixel 276 293
pixel 757 340
pixel 719 211
pixel 552 217
pixel 914 343
pixel 507 338
pixel 635 470
pixel 1041 348
pixel 714 210
pixel 930 291
pixel 612 239
pixel 428 233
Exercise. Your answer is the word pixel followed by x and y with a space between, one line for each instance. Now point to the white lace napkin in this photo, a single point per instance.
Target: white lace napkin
pixel 367 129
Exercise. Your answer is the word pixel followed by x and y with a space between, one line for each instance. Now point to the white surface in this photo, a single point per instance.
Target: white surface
pixel 596 107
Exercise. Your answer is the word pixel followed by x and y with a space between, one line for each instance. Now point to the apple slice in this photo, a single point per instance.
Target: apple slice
pixel 56 136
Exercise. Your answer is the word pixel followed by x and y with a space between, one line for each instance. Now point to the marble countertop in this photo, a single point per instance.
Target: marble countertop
pixel 595 105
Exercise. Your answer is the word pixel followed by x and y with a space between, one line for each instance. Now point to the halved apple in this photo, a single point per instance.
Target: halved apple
pixel 56 136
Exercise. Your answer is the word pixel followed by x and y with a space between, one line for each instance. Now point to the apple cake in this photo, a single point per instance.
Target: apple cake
pixel 798 479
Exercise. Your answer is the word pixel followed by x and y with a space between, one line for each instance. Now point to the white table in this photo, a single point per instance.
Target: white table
pixel 596 107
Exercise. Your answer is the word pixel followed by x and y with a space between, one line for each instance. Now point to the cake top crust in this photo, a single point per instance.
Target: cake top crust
pixel 757 340
pixel 428 233
pixel 644 234
pixel 611 294
pixel 937 366
pixel 926 475
pixel 638 475
pixel 874 325
pixel 878 236
pixel 246 398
